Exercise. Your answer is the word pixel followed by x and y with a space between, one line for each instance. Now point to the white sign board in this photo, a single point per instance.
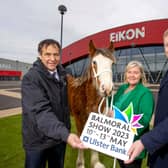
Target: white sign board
pixel 107 135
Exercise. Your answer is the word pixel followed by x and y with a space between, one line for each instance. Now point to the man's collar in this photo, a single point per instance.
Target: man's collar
pixel 51 72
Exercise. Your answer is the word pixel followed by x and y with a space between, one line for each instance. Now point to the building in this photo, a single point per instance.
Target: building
pixel 139 41
pixel 12 70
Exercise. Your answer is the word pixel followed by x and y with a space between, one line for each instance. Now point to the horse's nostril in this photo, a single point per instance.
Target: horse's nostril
pixel 108 92
pixel 103 87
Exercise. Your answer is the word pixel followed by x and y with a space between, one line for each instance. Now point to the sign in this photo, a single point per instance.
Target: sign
pixel 129 34
pixel 111 136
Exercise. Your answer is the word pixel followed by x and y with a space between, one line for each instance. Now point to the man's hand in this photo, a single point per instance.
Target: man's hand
pixel 136 148
pixel 74 141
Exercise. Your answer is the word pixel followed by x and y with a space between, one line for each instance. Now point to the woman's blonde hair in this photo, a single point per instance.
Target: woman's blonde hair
pixel 138 64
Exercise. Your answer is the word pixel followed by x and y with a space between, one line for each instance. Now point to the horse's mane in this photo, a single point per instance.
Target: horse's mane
pixel 86 75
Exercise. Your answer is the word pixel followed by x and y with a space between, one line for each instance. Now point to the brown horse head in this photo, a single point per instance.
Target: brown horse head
pixel 106 52
pixel 101 63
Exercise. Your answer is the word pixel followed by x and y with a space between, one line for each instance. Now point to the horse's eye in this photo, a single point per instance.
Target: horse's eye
pixel 94 62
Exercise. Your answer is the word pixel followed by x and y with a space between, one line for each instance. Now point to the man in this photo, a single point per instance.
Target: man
pixel 156 141
pixel 46 119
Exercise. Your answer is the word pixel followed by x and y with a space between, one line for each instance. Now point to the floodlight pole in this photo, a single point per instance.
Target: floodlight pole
pixel 62 9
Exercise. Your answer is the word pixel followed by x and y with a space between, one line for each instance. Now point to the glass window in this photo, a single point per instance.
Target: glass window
pixel 152 58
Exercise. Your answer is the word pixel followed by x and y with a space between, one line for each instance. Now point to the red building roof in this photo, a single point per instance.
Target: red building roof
pixel 137 34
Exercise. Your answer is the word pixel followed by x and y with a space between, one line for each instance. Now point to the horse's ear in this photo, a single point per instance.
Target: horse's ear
pixel 111 47
pixel 92 48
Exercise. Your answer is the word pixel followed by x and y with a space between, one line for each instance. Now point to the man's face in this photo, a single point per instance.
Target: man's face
pixel 50 57
pixel 166 45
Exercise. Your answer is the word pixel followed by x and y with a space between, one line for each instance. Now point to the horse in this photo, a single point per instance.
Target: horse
pixel 85 92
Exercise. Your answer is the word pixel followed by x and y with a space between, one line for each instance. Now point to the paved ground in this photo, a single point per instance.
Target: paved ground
pixel 10 98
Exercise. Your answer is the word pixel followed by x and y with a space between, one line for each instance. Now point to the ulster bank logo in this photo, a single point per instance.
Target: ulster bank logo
pixel 128 117
pixel 85 139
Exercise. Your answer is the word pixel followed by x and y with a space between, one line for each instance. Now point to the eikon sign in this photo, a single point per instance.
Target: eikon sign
pixel 129 34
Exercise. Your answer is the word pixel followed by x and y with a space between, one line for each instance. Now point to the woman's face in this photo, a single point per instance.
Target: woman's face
pixel 133 75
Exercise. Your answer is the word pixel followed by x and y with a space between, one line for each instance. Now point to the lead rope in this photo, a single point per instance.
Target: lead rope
pixel 106 112
pixel 111 107
pixel 107 104
pixel 100 104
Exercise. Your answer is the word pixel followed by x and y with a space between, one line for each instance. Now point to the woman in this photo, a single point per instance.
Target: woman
pixel 134 90
pixel 156 140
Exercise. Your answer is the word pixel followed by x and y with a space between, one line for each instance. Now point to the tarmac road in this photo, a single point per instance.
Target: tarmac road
pixel 10 97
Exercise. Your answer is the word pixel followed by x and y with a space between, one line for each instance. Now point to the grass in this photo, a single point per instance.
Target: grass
pixel 12 154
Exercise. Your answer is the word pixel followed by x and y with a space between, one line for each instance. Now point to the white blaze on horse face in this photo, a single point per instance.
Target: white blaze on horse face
pixel 103 73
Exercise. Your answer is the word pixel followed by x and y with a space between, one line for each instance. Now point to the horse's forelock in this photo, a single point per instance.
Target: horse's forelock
pixel 105 52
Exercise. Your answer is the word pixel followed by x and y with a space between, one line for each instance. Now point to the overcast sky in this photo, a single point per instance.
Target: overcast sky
pixel 23 23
